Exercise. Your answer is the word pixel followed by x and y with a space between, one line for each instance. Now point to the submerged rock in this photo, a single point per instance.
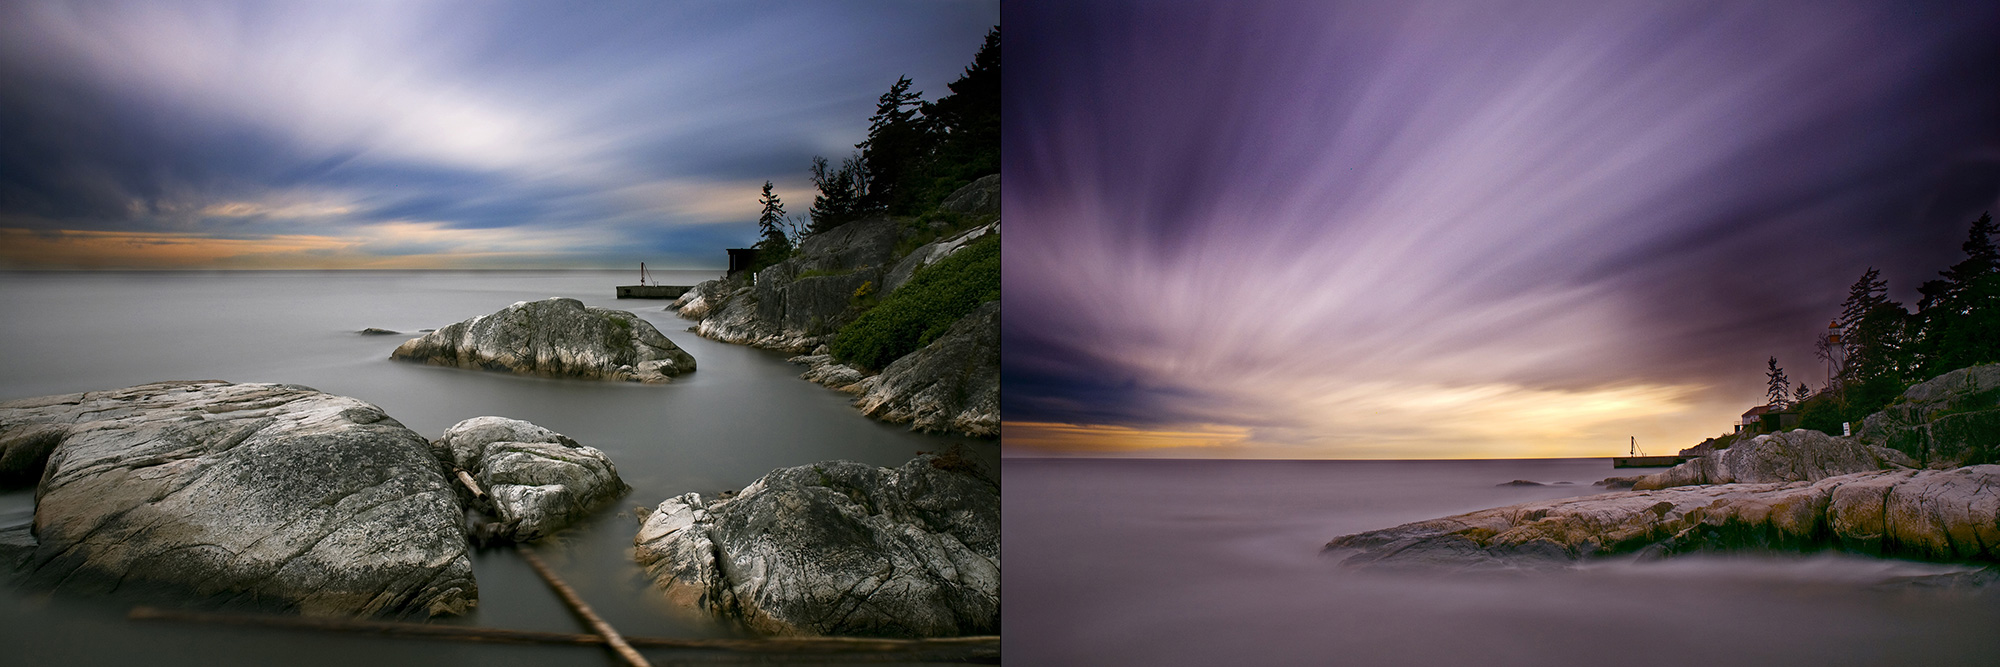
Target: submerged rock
pixel 1948 421
pixel 1803 455
pixel 372 331
pixel 554 338
pixel 1942 515
pixel 278 494
pixel 838 548
pixel 540 481
pixel 951 385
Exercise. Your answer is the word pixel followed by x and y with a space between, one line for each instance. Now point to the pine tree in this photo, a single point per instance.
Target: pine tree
pixel 1779 384
pixel 774 246
pixel 1801 395
pixel 965 125
pixel 1959 317
pixel 895 148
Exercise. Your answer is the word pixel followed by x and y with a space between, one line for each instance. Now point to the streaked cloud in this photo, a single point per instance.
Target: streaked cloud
pixel 1437 229
pixel 633 129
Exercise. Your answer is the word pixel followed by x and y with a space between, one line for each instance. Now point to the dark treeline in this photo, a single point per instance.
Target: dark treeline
pixel 916 154
pixel 1878 347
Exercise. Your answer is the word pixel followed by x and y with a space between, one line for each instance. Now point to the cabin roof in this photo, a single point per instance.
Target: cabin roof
pixel 1761 409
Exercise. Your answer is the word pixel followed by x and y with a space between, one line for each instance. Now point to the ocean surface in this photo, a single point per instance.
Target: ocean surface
pixel 740 415
pixel 1164 562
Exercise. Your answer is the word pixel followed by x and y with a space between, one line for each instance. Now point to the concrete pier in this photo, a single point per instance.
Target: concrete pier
pixel 652 291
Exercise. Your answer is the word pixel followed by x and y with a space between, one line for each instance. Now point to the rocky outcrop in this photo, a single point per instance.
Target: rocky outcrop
pixel 981 197
pixel 696 303
pixel 795 304
pixel 277 494
pixel 950 385
pixel 838 548
pixel 1948 421
pixel 930 253
pixel 823 370
pixel 1797 456
pixel 554 338
pixel 1942 515
pixel 540 481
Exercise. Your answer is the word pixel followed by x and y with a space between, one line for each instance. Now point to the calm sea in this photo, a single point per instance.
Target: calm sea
pixel 742 414
pixel 1149 562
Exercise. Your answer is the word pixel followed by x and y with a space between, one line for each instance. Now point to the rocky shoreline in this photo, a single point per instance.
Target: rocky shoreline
pixel 1879 493
pixel 799 305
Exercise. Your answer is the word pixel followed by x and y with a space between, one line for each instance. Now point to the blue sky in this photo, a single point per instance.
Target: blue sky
pixel 436 134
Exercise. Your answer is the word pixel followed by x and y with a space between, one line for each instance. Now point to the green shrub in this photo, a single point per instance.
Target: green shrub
pixel 923 309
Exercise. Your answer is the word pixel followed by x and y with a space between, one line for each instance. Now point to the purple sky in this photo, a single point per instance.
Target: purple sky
pixel 1390 230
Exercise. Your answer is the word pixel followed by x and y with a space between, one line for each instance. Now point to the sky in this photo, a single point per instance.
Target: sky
pixel 422 134
pixel 1463 230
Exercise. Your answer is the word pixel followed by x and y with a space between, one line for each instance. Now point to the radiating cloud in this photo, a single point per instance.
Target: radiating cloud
pixel 234 119
pixel 1438 229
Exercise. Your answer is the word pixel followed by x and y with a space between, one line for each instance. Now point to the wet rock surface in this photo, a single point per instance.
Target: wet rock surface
pixel 539 481
pixel 276 495
pixel 837 548
pixel 554 338
pixel 1940 515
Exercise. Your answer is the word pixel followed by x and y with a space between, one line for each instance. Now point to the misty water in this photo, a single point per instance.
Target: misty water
pixel 1150 562
pixel 743 413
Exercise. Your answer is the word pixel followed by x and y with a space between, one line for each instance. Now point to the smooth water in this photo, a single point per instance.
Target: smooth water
pixel 1150 562
pixel 743 413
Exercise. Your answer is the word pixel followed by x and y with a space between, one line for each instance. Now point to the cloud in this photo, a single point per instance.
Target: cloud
pixel 1430 230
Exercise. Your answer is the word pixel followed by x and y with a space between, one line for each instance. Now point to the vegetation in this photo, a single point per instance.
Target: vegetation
pixel 917 152
pixel 1882 348
pixel 774 245
pixel 923 309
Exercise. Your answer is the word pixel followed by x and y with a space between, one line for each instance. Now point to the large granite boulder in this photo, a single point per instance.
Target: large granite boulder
pixel 1943 515
pixel 1803 455
pixel 1949 421
pixel 540 481
pixel 951 385
pixel 276 494
pixel 554 338
pixel 838 548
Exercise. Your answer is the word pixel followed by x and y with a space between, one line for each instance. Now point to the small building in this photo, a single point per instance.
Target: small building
pixel 1763 419
pixel 740 260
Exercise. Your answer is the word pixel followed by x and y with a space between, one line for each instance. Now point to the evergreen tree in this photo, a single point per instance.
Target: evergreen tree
pixel 965 125
pixel 1800 396
pixel 1959 317
pixel 894 149
pixel 1779 384
pixel 774 245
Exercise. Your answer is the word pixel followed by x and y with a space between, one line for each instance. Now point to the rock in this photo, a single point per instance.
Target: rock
pixel 829 373
pixel 1949 421
pixel 1618 482
pixel 1800 455
pixel 696 303
pixel 838 548
pixel 541 481
pixel 950 385
pixel 554 338
pixel 1520 482
pixel 372 331
pixel 1942 515
pixel 278 494
pixel 980 197
pixel 795 304
pixel 930 254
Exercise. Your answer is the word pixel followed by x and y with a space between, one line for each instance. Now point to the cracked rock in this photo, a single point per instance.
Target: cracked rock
pixel 554 338
pixel 540 481
pixel 838 548
pixel 273 494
